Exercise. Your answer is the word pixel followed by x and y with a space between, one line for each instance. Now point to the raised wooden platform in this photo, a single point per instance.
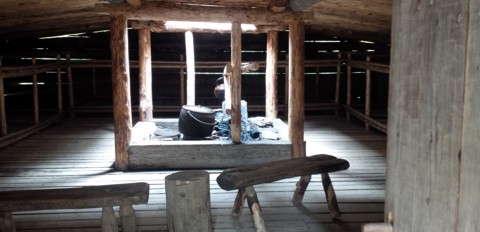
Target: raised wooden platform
pixel 145 153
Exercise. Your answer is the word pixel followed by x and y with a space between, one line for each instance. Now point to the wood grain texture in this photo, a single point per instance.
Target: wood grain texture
pixel 296 87
pixel 145 106
pixel 271 78
pixel 81 150
pixel 426 111
pixel 121 90
pixel 470 186
pixel 236 81
pixel 75 198
pixel 248 175
pixel 188 201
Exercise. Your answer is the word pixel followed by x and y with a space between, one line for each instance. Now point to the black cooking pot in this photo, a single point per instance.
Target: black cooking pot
pixel 196 121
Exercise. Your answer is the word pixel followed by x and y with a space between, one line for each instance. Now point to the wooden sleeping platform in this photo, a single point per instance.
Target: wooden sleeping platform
pixel 80 152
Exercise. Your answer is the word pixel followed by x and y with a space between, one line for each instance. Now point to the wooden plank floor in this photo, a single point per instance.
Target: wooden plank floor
pixel 80 152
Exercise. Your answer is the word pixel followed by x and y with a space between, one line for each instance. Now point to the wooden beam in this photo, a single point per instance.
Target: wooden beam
pixel 271 79
pixel 189 49
pixel 136 3
pixel 236 84
pixel 301 5
pixel 277 5
pixel 145 106
pixel 121 90
pixel 158 11
pixel 155 26
pixel 296 86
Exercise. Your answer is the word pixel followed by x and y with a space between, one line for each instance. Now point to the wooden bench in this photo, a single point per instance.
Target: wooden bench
pixel 243 179
pixel 104 196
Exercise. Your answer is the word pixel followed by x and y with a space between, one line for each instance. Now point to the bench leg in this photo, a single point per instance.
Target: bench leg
pixel 6 222
pixel 127 218
pixel 238 203
pixel 255 209
pixel 330 195
pixel 109 222
pixel 302 185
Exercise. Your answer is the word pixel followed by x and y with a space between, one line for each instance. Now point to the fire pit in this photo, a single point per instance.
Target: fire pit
pixel 158 144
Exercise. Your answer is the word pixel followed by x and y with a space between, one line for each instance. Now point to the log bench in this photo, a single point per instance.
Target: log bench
pixel 104 196
pixel 243 179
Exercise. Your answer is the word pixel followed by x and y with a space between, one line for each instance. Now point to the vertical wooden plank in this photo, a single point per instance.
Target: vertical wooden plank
pixel 145 107
pixel 349 84
pixel 469 203
pixel 296 87
pixel 3 115
pixel 36 111
pixel 189 48
pixel 368 83
pixel 71 100
pixel 122 113
pixel 425 115
pixel 59 85
pixel 337 82
pixel 236 84
pixel 271 79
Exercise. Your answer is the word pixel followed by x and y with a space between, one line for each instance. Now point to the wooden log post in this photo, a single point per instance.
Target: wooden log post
pixel 71 100
pixel 36 111
pixel 296 88
pixel 338 81
pixel 285 96
pixel 188 201
pixel 349 84
pixel 236 84
pixel 59 85
pixel 368 83
pixel 183 100
pixel 121 90
pixel 190 54
pixel 271 79
pixel 3 115
pixel 145 106
pixel 94 82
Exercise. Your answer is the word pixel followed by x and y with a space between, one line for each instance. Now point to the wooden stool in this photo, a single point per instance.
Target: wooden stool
pixel 188 201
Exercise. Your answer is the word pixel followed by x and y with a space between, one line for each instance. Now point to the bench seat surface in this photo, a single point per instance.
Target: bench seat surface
pixel 74 198
pixel 241 177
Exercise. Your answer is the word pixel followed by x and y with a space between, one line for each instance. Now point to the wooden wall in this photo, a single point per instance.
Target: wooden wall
pixel 433 130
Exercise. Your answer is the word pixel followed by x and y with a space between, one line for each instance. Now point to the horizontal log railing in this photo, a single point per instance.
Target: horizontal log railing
pixel 364 116
pixel 8 137
pixel 67 64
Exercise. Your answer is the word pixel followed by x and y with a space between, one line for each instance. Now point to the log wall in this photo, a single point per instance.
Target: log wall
pixel 433 117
